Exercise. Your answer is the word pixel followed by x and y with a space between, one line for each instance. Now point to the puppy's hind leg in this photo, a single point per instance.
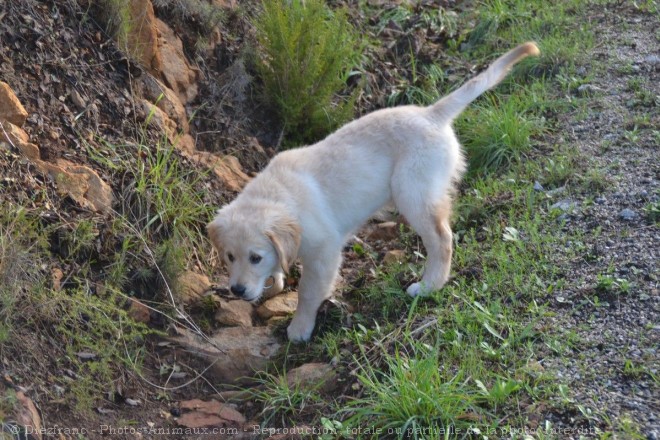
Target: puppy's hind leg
pixel 429 216
pixel 316 284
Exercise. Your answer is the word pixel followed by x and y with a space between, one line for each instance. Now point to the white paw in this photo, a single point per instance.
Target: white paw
pixel 416 289
pixel 300 330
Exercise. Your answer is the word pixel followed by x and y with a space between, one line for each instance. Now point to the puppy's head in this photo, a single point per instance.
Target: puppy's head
pixel 254 242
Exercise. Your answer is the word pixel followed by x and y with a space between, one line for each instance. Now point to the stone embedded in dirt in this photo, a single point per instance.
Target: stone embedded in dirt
pixel 27 415
pixel 11 109
pixel 157 117
pixel 395 256
pixel 190 286
pixel 139 312
pixel 177 73
pixel 384 231
pixel 233 353
pixel 185 143
pixel 165 99
pixel 538 186
pixel 234 313
pixel 563 205
pixel 313 376
pixel 79 182
pixel 628 214
pixel 652 60
pixel 280 305
pixel 208 414
pixel 142 41
pixel 226 168
pixel 16 136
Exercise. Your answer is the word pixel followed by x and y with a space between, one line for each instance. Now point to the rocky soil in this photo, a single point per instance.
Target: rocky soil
pixel 612 329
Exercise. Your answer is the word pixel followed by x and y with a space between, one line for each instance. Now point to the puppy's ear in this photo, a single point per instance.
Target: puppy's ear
pixel 285 236
pixel 214 230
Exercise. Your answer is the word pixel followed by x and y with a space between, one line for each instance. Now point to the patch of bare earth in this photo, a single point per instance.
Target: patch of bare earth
pixel 608 312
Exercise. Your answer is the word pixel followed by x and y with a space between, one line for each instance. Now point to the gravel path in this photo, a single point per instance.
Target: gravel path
pixel 608 313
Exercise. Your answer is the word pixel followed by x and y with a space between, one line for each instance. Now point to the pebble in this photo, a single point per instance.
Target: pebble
pixel 628 214
pixel 563 205
pixel 538 186
pixel 652 60
pixel 600 200
pixel 588 90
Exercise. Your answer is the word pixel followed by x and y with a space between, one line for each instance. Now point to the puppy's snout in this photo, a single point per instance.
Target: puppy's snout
pixel 238 290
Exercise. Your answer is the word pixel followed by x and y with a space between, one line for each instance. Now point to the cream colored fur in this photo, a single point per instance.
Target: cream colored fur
pixel 308 201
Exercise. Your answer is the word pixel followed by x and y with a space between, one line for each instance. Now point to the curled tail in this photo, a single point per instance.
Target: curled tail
pixel 453 104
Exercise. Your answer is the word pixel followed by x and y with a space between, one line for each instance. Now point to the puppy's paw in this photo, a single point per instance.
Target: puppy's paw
pixel 300 330
pixel 416 289
pixel 422 289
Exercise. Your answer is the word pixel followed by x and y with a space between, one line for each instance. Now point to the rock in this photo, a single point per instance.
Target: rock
pixel 185 143
pixel 228 169
pixel 27 416
pixel 18 138
pixel 79 182
pixel 139 312
pixel 538 187
pixel 628 214
pixel 384 231
pixel 165 99
pixel 279 305
pixel 190 286
pixel 395 256
pixel 234 352
pixel 11 109
pixel 600 200
pixel 176 71
pixel 563 205
pixel 588 90
pixel 652 60
pixel 142 42
pixel 158 118
pixel 234 313
pixel 312 376
pixel 201 414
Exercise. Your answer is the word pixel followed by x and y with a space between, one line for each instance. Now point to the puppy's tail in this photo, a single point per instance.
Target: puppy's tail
pixel 453 104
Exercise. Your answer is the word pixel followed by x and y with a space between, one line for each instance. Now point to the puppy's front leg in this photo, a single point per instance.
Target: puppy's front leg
pixel 316 286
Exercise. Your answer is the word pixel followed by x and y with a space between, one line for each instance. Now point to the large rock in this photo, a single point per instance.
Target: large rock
pixel 191 286
pixel 280 305
pixel 142 39
pixel 11 109
pixel 81 183
pixel 177 73
pixel 234 353
pixel 16 136
pixel 158 118
pixel 234 313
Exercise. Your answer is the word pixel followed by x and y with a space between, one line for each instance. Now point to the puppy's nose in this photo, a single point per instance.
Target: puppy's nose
pixel 238 289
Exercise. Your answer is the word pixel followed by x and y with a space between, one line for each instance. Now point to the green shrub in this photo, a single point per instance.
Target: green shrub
pixel 304 56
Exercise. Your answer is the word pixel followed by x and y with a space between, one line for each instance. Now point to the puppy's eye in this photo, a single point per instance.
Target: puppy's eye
pixel 230 257
pixel 255 259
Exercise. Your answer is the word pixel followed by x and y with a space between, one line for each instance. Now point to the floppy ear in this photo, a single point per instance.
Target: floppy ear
pixel 285 236
pixel 214 230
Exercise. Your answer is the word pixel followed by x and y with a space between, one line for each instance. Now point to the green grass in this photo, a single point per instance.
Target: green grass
pixel 305 54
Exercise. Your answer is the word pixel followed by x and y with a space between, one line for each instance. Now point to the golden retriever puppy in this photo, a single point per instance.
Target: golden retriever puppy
pixel 308 201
